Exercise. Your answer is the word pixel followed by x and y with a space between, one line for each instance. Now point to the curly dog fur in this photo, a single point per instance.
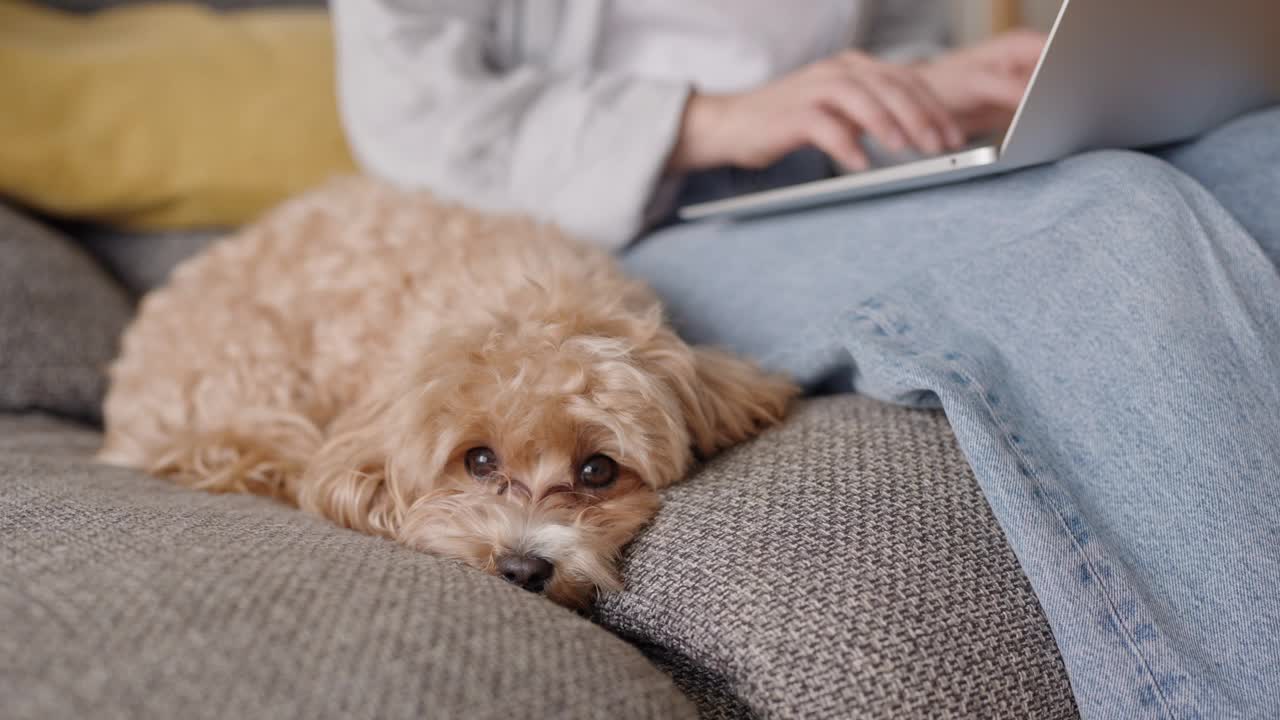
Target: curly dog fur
pixel 349 354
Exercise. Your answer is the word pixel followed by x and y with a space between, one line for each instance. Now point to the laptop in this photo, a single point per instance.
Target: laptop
pixel 1114 74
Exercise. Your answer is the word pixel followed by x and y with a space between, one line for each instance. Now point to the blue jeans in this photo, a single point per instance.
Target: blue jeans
pixel 1104 336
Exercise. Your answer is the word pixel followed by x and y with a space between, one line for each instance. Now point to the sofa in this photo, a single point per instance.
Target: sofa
pixel 844 564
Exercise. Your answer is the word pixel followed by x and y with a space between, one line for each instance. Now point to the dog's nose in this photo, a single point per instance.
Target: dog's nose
pixel 527 571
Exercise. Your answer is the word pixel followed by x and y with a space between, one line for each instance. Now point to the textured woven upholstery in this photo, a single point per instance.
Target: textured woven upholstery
pixel 126 597
pixel 844 565
pixel 60 316
pixel 142 261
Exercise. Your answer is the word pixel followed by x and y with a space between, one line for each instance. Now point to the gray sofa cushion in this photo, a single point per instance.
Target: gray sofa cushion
pixel 126 597
pixel 843 565
pixel 142 261
pixel 60 317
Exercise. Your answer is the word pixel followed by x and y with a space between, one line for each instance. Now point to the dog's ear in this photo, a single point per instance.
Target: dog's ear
pixel 348 479
pixel 378 459
pixel 733 400
pixel 725 399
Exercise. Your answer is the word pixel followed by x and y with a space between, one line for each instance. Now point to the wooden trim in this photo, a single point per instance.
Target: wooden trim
pixel 1005 14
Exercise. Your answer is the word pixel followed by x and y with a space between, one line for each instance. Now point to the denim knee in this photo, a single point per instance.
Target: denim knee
pixel 1123 178
pixel 1138 203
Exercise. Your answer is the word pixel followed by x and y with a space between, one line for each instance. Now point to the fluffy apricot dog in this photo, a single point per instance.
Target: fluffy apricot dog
pixel 477 387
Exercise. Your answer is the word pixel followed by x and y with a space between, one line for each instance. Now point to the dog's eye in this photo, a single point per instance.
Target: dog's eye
pixel 482 462
pixel 598 471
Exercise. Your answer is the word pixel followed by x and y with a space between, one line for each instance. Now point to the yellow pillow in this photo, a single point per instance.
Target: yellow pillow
pixel 165 116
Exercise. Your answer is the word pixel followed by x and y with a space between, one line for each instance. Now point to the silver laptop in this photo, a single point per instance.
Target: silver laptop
pixel 1115 74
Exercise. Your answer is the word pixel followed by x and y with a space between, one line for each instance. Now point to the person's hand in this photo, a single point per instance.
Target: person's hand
pixel 981 86
pixel 828 105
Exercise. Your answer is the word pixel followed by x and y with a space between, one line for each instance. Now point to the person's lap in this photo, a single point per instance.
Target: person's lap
pixel 1239 164
pixel 1104 335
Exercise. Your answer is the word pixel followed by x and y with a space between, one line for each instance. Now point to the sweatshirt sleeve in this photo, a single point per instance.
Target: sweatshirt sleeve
pixel 909 30
pixel 422 107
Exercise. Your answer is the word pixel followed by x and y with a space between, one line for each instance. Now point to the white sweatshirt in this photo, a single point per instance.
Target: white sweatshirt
pixel 567 109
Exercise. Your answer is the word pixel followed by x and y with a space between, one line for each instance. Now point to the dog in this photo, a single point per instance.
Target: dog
pixel 476 386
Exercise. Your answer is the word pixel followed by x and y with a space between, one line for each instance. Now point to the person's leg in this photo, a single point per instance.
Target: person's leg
pixel 1239 164
pixel 1105 339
